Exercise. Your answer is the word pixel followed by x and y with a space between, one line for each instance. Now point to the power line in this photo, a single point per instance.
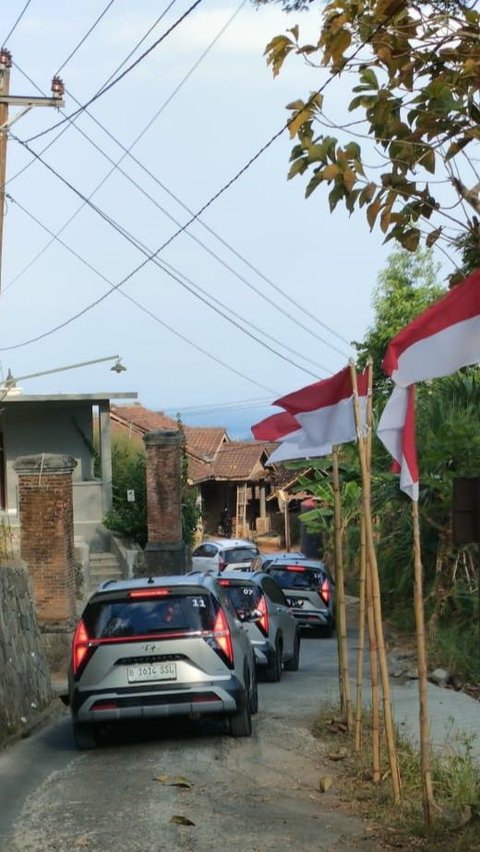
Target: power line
pixel 148 312
pixel 127 152
pixel 195 290
pixel 5 40
pixel 211 200
pixel 106 88
pixel 84 38
pixel 192 236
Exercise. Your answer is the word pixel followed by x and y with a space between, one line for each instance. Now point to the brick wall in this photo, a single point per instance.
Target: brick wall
pixel 164 486
pixel 46 522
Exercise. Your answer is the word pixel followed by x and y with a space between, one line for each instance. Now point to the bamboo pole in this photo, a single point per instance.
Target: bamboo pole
pixel 377 609
pixel 375 691
pixel 345 697
pixel 361 639
pixel 427 789
pixel 363 569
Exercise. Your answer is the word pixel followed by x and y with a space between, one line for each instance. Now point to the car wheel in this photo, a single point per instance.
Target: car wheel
pixel 84 735
pixel 292 665
pixel 253 693
pixel 240 724
pixel 273 671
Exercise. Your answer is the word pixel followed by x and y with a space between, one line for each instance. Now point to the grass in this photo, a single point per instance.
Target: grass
pixel 455 647
pixel 456 784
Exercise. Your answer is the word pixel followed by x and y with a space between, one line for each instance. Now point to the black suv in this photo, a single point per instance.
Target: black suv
pixel 158 647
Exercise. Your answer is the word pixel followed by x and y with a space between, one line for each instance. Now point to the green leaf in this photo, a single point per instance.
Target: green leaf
pixel 297 168
pixel 369 77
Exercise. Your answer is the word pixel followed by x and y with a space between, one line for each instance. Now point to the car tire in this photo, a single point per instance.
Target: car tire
pixel 273 671
pixel 240 724
pixel 253 692
pixel 84 735
pixel 292 665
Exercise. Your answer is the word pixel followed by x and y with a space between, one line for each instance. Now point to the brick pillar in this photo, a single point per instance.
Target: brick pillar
pixel 46 536
pixel 165 551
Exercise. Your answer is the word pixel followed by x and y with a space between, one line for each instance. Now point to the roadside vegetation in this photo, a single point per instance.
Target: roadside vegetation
pixel 448 440
pixel 455 778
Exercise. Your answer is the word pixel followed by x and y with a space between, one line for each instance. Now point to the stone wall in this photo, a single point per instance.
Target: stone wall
pixel 25 687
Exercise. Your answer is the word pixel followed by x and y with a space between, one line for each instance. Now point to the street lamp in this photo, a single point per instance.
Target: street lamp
pixel 11 381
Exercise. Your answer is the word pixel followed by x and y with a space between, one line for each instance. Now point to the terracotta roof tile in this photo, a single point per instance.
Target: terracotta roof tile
pixel 240 460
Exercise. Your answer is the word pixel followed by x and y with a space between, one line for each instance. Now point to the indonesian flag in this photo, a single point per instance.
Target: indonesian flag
pixel 285 428
pixel 441 340
pixel 324 409
pixel 396 430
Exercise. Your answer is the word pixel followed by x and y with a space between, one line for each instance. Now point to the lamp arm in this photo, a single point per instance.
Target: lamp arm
pixel 13 379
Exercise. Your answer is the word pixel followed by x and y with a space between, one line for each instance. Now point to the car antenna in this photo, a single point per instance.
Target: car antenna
pixel 150 580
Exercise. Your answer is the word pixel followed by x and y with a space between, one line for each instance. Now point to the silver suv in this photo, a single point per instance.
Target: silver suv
pixel 309 589
pixel 157 647
pixel 222 554
pixel 261 605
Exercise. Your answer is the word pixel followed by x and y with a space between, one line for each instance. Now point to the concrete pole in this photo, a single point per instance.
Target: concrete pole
pixel 106 455
pixel 5 64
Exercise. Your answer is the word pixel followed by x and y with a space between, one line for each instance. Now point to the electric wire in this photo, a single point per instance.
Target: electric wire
pixel 5 40
pixel 207 204
pixel 120 76
pixel 112 75
pixel 116 166
pixel 193 288
pixel 84 38
pixel 150 313
pixel 127 152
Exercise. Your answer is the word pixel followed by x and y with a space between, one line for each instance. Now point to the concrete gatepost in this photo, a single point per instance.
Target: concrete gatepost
pixel 47 546
pixel 165 550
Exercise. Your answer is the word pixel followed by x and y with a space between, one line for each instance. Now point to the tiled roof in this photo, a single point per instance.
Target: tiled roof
pixel 206 440
pixel 211 454
pixel 142 418
pixel 240 460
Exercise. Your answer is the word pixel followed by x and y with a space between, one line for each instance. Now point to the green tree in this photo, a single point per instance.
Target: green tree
pixel 126 518
pixel 406 286
pixel 415 70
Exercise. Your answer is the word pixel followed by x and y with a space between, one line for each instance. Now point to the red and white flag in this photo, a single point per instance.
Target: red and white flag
pixel 396 430
pixel 285 428
pixel 324 409
pixel 441 340
pixel 445 337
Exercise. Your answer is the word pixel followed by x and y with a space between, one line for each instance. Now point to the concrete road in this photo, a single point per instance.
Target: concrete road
pixel 247 795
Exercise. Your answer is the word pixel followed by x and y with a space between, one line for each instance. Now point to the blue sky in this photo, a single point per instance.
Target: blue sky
pixel 227 109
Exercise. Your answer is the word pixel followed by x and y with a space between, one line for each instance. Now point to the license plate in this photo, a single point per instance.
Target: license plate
pixel 145 672
pixel 295 602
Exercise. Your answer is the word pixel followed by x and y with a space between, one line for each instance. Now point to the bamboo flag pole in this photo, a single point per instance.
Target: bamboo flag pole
pixel 427 789
pixel 345 698
pixel 377 609
pixel 373 646
pixel 375 691
pixel 361 639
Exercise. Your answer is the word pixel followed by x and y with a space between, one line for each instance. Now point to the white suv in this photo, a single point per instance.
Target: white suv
pixel 236 554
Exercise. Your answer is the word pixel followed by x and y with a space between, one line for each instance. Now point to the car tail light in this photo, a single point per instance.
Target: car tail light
pixel 223 639
pixel 297 568
pixel 82 650
pixel 263 621
pixel 148 593
pixel 224 583
pixel 222 565
pixel 325 592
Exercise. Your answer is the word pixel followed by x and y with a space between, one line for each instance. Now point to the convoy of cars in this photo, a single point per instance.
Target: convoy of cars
pixel 192 645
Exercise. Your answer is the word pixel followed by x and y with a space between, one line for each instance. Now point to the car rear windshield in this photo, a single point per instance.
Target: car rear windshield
pixel 240 554
pixel 296 577
pixel 137 617
pixel 243 596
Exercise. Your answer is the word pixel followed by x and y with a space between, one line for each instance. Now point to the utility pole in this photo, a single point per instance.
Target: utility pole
pixel 26 103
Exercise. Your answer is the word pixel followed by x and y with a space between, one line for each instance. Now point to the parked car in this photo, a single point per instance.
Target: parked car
pixel 260 603
pixel 218 554
pixel 263 560
pixel 309 589
pixel 164 646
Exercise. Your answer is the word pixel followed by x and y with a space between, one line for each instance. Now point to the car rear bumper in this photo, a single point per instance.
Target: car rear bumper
pixel 148 703
pixel 312 618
